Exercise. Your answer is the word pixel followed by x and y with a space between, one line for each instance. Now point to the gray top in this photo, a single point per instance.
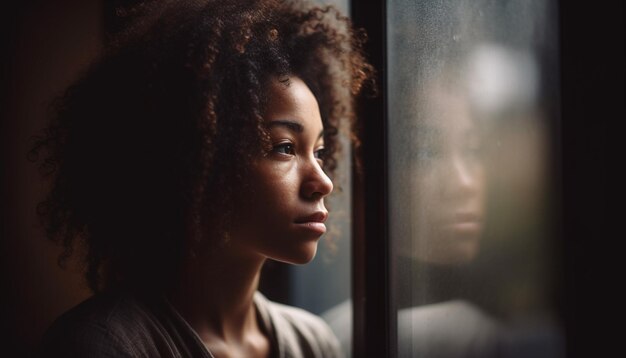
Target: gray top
pixel 122 325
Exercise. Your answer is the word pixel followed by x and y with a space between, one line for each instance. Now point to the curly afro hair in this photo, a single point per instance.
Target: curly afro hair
pixel 149 148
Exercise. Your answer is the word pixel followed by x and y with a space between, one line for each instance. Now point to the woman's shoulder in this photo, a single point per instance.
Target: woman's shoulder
pixel 105 325
pixel 298 332
pixel 94 327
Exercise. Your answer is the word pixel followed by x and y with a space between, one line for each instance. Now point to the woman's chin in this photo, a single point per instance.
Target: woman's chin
pixel 451 248
pixel 460 254
pixel 298 256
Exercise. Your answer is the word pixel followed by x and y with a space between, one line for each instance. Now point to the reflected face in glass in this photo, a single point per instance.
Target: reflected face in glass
pixel 448 181
pixel 283 213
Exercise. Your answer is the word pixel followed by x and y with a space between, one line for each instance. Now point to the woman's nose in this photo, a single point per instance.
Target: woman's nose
pixel 463 176
pixel 463 173
pixel 316 183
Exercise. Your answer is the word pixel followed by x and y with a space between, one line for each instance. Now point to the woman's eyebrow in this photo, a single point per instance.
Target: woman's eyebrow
pixel 291 125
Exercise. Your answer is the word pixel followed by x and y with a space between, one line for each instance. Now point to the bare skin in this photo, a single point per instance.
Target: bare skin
pixel 282 219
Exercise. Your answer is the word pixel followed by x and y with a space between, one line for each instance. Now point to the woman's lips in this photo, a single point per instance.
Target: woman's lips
pixel 317 217
pixel 314 227
pixel 466 223
pixel 467 226
pixel 313 222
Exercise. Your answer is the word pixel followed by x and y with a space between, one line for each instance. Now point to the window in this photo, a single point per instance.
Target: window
pixel 490 75
pixel 469 92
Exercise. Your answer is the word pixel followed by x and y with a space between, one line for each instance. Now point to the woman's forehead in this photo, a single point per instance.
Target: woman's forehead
pixel 292 100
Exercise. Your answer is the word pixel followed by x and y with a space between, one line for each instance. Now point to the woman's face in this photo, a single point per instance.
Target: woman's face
pixel 282 213
pixel 448 182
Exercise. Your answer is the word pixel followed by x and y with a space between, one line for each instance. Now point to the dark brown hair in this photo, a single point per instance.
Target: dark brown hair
pixel 148 150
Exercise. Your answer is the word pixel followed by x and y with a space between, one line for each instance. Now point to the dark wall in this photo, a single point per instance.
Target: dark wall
pixel 45 45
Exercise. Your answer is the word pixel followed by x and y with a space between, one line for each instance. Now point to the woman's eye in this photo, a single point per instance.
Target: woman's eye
pixel 320 154
pixel 285 148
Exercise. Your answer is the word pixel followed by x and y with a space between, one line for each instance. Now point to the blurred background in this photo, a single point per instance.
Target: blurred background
pixel 46 45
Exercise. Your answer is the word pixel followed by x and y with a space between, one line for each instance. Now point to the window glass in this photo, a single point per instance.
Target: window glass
pixel 471 91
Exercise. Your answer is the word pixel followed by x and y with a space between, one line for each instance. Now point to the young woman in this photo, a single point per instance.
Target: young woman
pixel 194 150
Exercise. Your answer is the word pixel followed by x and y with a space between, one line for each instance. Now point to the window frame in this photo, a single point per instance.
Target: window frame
pixel 374 317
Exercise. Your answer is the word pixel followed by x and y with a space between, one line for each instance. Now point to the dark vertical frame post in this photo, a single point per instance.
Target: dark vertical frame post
pixel 374 311
pixel 592 104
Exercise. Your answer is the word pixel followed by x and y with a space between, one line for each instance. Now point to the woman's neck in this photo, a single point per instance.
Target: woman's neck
pixel 216 296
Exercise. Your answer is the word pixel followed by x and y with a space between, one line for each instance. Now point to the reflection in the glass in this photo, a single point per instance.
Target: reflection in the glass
pixel 448 179
pixel 468 86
